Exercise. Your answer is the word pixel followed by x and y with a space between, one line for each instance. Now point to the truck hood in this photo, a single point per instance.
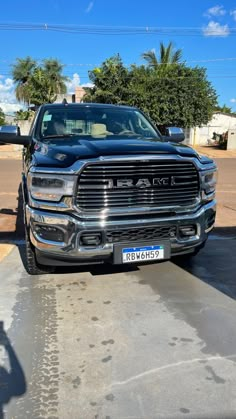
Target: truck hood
pixel 65 152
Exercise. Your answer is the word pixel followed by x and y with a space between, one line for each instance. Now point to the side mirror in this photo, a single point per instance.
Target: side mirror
pixel 10 129
pixel 10 134
pixel 174 134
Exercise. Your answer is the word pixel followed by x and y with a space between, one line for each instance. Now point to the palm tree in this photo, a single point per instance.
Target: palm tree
pixel 37 84
pixel 53 68
pixel 167 55
pixel 21 73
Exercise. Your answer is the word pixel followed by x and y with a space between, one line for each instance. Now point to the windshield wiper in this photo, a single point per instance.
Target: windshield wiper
pixel 59 136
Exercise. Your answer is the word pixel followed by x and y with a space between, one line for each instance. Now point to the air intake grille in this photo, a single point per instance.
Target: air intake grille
pixel 140 234
pixel 137 184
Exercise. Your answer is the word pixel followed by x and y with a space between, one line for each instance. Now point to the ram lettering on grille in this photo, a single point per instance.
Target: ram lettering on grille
pixel 137 184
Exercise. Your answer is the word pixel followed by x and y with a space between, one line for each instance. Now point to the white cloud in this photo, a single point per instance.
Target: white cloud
pixel 233 13
pixel 216 11
pixel 8 102
pixel 73 83
pixel 10 108
pixel 90 6
pixel 6 84
pixel 233 100
pixel 215 29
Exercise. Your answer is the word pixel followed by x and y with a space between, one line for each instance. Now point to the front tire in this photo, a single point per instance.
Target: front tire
pixel 32 267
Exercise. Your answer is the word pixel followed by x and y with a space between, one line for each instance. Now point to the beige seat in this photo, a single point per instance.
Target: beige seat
pixel 99 130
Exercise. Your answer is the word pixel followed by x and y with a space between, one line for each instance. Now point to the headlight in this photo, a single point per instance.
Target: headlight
pixel 50 187
pixel 209 180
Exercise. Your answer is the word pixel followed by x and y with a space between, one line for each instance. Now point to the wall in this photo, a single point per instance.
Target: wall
pixel 220 123
pixel 24 127
pixel 79 94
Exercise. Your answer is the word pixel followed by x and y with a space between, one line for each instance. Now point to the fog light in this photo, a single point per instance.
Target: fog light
pixel 49 233
pixel 187 231
pixel 91 239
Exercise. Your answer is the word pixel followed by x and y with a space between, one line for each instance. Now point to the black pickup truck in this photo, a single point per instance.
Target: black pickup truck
pixel 101 184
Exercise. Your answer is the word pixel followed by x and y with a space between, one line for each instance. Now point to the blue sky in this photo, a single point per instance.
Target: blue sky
pixel 212 43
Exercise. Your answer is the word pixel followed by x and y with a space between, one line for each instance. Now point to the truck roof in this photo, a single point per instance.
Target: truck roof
pixel 87 105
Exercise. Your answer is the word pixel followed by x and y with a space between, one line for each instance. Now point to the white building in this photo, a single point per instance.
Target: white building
pixel 220 123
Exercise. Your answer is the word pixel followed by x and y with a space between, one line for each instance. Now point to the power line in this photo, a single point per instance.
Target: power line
pixel 111 30
pixel 7 63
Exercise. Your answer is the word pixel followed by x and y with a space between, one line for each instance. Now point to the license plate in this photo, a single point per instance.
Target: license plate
pixel 142 254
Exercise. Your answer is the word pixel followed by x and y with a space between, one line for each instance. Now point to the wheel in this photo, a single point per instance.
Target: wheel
pixel 31 265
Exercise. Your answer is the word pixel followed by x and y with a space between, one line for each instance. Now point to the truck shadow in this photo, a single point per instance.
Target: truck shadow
pixel 10 236
pixel 216 263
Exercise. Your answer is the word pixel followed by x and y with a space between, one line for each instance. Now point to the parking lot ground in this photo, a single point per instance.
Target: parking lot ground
pixel 152 341
pixel 148 341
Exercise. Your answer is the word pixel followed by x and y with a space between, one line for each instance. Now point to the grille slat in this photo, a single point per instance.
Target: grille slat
pixel 141 197
pixel 177 184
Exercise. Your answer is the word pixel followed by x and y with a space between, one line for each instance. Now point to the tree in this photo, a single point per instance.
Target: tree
pixel 53 69
pixel 38 84
pixel 2 117
pixel 110 82
pixel 167 55
pixel 22 74
pixel 223 109
pixel 182 96
pixel 23 115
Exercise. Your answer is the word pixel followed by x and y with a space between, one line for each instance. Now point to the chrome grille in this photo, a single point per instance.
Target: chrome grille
pixel 140 234
pixel 98 190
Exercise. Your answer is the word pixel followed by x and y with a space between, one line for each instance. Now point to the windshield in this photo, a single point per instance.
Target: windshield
pixel 95 123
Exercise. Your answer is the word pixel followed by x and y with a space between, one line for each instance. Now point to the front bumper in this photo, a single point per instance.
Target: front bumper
pixel 71 252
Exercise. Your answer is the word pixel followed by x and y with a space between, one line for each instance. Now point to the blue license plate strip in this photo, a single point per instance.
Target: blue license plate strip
pixel 142 254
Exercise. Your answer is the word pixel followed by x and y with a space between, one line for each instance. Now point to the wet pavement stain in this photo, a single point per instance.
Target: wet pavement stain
pixel 34 327
pixel 184 410
pixel 108 342
pixel 95 319
pixel 110 397
pixel 186 340
pixel 76 382
pixel 107 359
pixel 214 376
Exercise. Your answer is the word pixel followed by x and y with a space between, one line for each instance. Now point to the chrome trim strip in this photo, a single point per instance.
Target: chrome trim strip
pixel 80 164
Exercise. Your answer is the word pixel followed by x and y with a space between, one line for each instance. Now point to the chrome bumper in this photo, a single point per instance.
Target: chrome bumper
pixel 70 250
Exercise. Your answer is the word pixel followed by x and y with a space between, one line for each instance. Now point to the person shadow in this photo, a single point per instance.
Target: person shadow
pixel 12 382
